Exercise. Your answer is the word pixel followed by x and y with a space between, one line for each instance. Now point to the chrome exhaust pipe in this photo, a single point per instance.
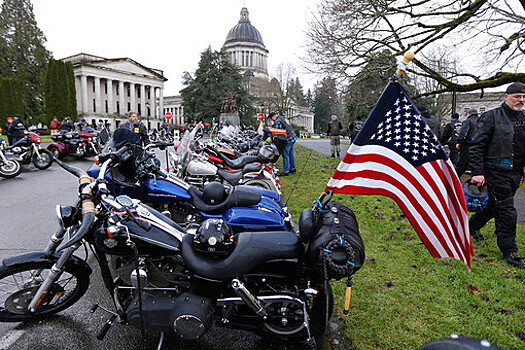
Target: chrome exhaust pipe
pixel 248 298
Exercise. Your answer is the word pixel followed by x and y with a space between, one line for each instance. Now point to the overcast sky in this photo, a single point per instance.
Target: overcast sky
pixel 170 35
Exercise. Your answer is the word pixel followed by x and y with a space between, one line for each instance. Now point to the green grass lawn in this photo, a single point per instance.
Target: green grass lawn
pixel 402 297
pixel 44 138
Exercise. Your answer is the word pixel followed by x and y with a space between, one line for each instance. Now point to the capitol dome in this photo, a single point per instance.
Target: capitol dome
pixel 245 48
pixel 244 31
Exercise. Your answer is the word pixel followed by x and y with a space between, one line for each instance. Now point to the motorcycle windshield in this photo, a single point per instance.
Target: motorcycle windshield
pixel 187 146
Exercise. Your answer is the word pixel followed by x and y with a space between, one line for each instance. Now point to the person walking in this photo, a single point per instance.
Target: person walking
pixel 279 122
pixel 450 137
pixel 497 158
pixel 431 120
pixel 464 139
pixel 17 129
pixel 137 127
pixel 334 131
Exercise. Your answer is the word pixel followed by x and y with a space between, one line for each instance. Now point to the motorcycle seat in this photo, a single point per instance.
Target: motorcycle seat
pixel 240 162
pixel 239 196
pixel 232 177
pixel 252 168
pixel 252 250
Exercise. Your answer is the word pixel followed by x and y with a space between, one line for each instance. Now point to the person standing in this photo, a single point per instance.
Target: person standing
pixel 17 129
pixel 55 125
pixel 137 127
pixel 355 126
pixel 279 122
pixel 431 120
pixel 7 130
pixel 334 131
pixel 464 139
pixel 497 158
pixel 450 136
pixel 67 124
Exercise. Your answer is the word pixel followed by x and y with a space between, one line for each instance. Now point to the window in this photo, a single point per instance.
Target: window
pixel 117 89
pixel 139 109
pixel 118 107
pixel 138 92
pixel 129 91
pixel 93 85
pixel 106 102
pixel 94 106
pixel 106 88
pixel 129 106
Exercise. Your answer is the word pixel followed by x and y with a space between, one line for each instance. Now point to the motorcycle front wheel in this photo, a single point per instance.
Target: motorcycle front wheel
pixel 44 161
pixel 19 284
pixel 10 169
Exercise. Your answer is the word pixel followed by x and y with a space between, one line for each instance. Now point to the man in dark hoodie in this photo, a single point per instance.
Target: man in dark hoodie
pixel 432 121
pixel 497 158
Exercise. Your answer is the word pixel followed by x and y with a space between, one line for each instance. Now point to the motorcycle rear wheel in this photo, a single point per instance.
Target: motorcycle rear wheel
pixel 18 284
pixel 10 169
pixel 44 161
pixel 274 332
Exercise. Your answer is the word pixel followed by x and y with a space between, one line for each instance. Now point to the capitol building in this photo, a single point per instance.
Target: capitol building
pixel 108 88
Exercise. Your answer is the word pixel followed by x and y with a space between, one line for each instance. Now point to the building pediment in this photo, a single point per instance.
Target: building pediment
pixel 129 66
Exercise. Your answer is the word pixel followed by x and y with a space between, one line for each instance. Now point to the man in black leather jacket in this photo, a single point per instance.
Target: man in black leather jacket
pixel 497 158
pixel 137 127
pixel 450 135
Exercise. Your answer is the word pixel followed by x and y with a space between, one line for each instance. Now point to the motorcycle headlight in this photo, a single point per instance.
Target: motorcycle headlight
pixel 66 215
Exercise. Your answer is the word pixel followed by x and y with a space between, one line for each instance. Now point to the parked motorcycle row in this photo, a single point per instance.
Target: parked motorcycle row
pixel 191 247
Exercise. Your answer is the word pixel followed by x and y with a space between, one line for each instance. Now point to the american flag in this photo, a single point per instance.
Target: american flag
pixel 397 155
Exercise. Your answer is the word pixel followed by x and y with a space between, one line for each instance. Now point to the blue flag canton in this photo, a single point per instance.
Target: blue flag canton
pixel 403 130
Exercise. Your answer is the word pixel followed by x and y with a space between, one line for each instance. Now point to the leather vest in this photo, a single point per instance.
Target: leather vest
pixel 500 151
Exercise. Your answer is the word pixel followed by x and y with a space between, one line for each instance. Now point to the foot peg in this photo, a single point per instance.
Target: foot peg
pixel 105 328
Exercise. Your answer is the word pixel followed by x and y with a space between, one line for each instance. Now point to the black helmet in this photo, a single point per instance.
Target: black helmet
pixel 214 237
pixel 476 197
pixel 213 193
pixel 267 153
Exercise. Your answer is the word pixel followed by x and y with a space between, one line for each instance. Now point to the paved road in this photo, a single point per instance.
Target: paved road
pixel 27 220
pixel 323 146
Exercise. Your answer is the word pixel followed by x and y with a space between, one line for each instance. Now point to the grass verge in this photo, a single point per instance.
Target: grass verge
pixel 402 297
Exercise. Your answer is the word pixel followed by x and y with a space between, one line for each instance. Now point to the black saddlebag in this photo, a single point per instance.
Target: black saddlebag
pixel 335 248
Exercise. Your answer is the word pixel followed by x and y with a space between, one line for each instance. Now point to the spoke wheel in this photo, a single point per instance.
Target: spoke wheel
pixel 19 284
pixel 44 161
pixel 10 169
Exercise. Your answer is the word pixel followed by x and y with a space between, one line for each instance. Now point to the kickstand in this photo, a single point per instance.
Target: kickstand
pixel 310 341
pixel 161 340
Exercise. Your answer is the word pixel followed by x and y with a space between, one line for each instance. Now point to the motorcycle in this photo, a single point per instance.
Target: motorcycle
pixel 78 144
pixel 140 177
pixel 28 150
pixel 200 165
pixel 274 283
pixel 9 164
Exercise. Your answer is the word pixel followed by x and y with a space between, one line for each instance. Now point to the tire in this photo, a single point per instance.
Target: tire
pixel 276 333
pixel 16 291
pixel 10 169
pixel 262 183
pixel 44 161
pixel 56 153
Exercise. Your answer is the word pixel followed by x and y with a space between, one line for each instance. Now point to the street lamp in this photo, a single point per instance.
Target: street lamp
pixel 148 105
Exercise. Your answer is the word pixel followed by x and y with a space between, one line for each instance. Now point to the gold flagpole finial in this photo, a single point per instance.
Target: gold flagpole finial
pixel 401 66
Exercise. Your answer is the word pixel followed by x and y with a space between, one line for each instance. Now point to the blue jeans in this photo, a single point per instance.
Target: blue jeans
pixel 288 158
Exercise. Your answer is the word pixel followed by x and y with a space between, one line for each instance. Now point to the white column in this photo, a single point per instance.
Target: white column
pixel 111 108
pixel 121 99
pixel 84 92
pixel 132 98
pixel 153 102
pixel 98 109
pixel 161 102
pixel 143 110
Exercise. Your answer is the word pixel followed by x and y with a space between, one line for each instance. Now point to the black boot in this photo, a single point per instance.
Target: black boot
pixel 514 259
pixel 477 235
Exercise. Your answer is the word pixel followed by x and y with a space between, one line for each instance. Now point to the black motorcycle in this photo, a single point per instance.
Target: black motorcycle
pixel 28 150
pixel 162 278
pixel 9 164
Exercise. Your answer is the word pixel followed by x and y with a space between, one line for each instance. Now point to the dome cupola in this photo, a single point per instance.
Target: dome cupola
pixel 244 31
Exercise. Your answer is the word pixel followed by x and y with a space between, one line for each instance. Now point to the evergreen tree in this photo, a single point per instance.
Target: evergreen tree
pixel 60 97
pixel 23 55
pixel 326 103
pixel 215 81
pixel 10 101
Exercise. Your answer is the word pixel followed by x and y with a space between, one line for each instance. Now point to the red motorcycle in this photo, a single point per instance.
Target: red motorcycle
pixel 78 144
